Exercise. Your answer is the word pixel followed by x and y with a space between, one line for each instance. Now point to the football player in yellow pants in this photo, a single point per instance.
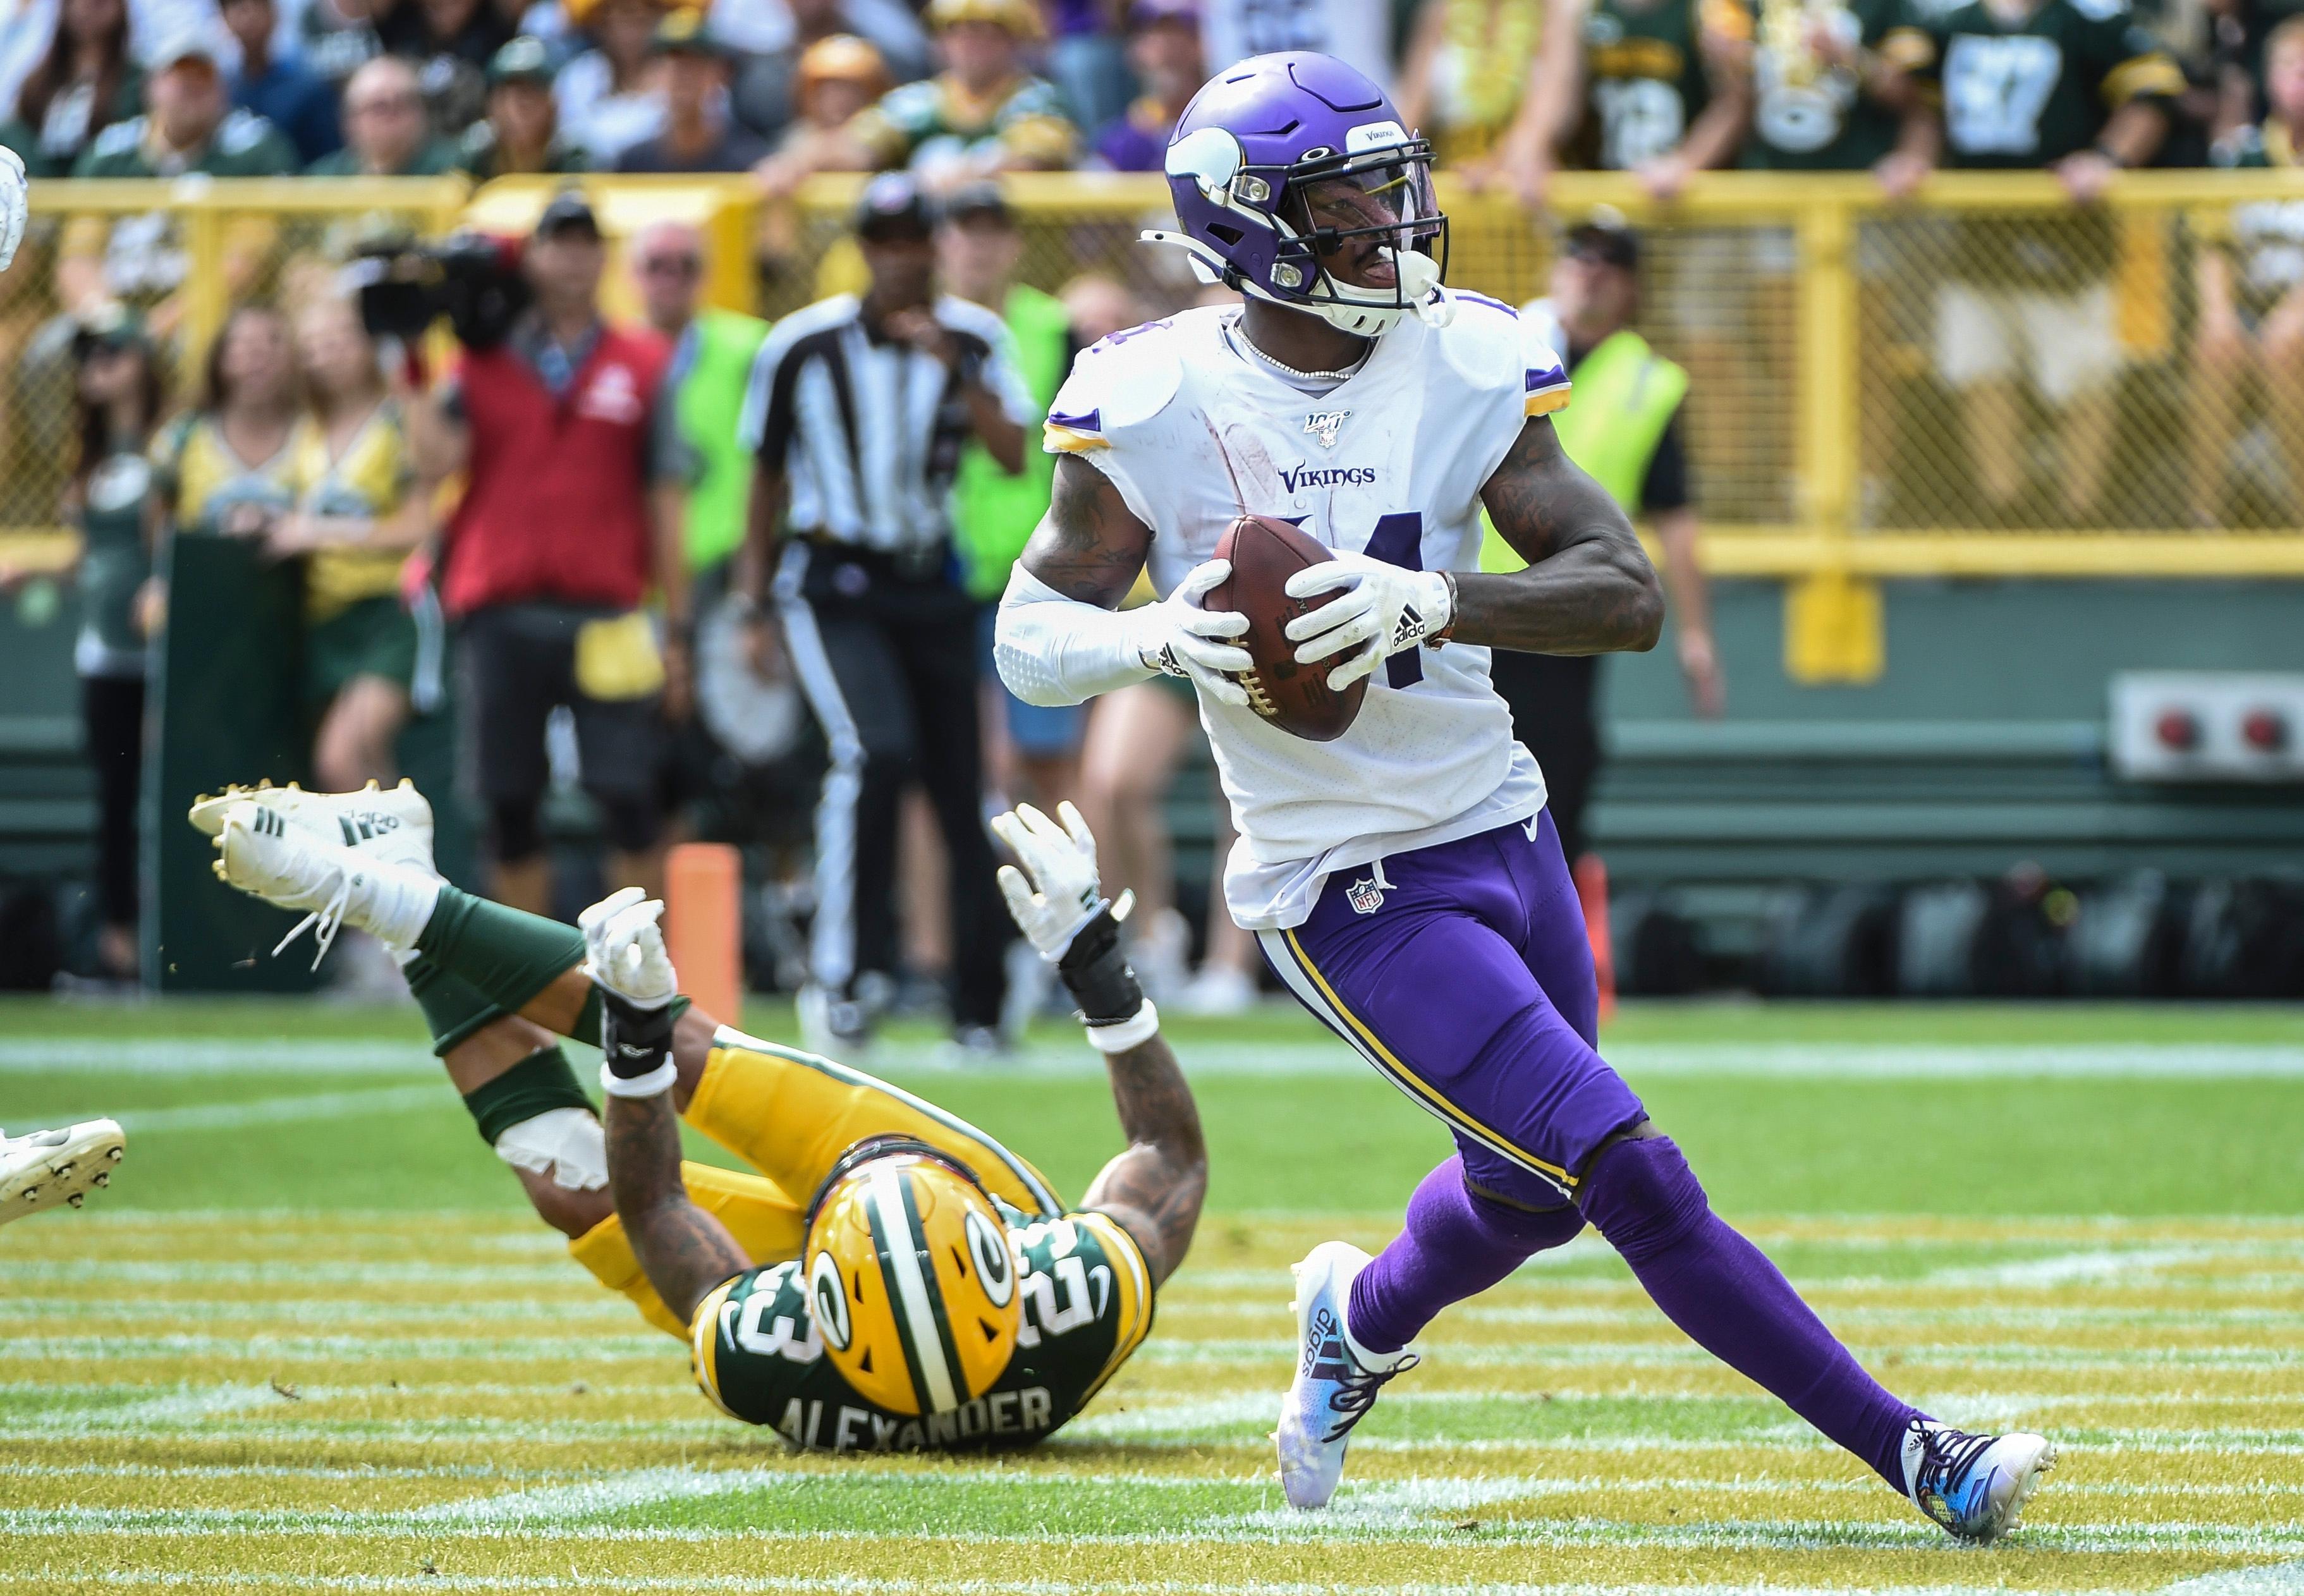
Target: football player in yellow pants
pixel 891 1277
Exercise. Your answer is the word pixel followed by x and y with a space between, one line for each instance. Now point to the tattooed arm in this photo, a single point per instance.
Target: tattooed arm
pixel 1153 1190
pixel 683 1251
pixel 1089 547
pixel 1588 588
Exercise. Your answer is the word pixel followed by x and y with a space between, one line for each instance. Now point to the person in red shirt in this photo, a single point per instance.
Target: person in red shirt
pixel 575 473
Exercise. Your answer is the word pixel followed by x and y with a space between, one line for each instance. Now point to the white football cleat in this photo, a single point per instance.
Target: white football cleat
pixel 292 867
pixel 56 1168
pixel 1975 1486
pixel 1337 1382
pixel 391 823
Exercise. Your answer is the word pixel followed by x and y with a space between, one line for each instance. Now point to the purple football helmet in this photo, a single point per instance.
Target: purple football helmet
pixel 1289 154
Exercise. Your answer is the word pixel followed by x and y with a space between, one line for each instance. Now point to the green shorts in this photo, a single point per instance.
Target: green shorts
pixel 374 637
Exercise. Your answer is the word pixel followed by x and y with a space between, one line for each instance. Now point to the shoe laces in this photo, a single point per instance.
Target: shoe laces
pixel 327 918
pixel 1947 1455
pixel 1356 1390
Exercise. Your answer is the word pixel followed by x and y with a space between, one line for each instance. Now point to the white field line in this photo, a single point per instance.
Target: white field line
pixel 275 1110
pixel 68 1271
pixel 1259 1529
pixel 867 1585
pixel 2271 1579
pixel 1784 1060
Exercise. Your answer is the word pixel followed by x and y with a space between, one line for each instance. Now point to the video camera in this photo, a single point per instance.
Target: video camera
pixel 472 278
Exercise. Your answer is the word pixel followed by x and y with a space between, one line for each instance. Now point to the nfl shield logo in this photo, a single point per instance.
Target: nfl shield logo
pixel 1365 895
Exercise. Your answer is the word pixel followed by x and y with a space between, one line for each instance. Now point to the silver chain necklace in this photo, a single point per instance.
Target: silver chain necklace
pixel 1287 369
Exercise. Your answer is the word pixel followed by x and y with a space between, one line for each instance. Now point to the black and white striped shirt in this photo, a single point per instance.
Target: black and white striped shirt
pixel 868 433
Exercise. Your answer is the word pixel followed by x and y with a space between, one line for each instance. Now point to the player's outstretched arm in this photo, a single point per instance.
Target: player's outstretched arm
pixel 1154 1189
pixel 683 1251
pixel 1588 588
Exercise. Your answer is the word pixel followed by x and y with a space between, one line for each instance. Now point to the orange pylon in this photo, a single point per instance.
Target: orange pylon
pixel 1591 877
pixel 703 926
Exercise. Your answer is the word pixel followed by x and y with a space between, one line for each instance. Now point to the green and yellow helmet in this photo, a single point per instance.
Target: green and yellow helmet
pixel 911 1280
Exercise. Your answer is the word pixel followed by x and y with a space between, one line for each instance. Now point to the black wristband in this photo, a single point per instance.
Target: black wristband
pixel 634 1041
pixel 1097 974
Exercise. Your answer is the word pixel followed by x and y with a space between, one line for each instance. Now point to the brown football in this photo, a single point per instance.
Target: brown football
pixel 1265 552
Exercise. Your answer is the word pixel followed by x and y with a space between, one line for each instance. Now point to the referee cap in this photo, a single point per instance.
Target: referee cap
pixel 894 206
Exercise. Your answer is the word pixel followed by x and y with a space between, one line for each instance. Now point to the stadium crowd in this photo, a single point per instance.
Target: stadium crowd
pixel 303 435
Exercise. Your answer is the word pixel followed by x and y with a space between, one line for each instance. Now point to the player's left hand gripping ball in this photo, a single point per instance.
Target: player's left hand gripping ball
pixel 15 204
pixel 1062 860
pixel 1383 610
pixel 623 949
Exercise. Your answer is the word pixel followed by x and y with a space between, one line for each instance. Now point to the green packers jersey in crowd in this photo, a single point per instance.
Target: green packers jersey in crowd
pixel 114 562
pixel 936 119
pixel 476 153
pixel 2025 92
pixel 432 158
pixel 245 145
pixel 1645 75
pixel 1087 1304
pixel 1810 115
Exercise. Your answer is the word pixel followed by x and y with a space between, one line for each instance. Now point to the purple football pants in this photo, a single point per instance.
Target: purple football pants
pixel 1463 973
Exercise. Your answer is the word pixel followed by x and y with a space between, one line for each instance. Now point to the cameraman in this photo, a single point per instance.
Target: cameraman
pixel 571 510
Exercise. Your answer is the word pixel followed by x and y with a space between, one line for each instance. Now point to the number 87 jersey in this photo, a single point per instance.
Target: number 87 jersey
pixel 1086 1305
pixel 1194 428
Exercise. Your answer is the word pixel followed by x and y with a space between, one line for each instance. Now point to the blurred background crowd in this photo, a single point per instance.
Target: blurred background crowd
pixel 556 604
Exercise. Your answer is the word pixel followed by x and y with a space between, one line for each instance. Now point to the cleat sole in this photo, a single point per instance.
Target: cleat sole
pixel 64 1178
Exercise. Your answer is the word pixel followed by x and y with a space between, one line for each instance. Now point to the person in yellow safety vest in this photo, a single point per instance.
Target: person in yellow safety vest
pixel 1623 427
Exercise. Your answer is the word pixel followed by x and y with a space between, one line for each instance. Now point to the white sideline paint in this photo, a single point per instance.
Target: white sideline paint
pixel 1783 1060
pixel 2273 1579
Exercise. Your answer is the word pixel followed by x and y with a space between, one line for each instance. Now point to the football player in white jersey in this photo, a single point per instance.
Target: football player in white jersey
pixel 1404 879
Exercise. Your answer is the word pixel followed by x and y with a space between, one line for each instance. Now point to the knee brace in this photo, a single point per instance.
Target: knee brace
pixel 515 830
pixel 1643 1197
pixel 632 821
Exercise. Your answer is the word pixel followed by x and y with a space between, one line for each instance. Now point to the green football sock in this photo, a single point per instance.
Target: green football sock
pixel 505 955
pixel 452 1008
pixel 538 1084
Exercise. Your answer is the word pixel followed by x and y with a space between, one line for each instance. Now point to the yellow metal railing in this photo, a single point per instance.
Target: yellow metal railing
pixel 1837 439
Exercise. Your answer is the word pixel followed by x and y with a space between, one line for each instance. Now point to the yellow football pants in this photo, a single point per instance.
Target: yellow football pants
pixel 790 1115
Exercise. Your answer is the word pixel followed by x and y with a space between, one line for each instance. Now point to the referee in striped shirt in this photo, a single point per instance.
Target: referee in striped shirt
pixel 858 409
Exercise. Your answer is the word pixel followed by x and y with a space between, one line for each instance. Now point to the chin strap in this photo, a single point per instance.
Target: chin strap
pixel 1425 295
pixel 1207 266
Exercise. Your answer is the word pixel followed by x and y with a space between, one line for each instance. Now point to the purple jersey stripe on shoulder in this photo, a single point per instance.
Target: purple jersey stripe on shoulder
pixel 1091 422
pixel 1548 377
pixel 1482 299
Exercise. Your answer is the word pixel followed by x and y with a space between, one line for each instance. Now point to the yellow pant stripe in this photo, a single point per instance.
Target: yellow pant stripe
pixel 1391 1064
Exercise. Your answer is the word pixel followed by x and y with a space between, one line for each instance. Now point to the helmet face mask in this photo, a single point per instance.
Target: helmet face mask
pixel 1330 211
pixel 911 1282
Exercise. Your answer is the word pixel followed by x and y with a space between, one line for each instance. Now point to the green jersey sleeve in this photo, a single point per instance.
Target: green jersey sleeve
pixel 1086 1305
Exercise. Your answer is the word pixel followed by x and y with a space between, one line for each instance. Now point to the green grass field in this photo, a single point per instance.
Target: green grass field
pixel 310 1340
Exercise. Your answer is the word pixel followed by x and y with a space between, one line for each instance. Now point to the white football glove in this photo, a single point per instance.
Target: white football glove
pixel 15 204
pixel 1063 893
pixel 624 949
pixel 1178 638
pixel 1383 606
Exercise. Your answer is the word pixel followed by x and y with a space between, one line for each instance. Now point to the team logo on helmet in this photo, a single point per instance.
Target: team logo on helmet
pixel 828 1304
pixel 994 1265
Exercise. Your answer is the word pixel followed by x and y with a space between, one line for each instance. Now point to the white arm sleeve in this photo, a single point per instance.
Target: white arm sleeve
pixel 1051 649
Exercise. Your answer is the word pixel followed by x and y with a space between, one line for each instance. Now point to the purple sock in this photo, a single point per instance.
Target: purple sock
pixel 1723 1292
pixel 1455 1245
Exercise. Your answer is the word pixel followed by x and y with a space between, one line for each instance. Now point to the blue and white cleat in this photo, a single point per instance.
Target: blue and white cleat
pixel 1336 1381
pixel 1973 1485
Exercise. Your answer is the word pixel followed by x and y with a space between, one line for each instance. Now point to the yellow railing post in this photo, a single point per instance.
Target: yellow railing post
pixel 206 294
pixel 1832 618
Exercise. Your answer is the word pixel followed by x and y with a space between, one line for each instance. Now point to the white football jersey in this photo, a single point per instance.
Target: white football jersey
pixel 1193 430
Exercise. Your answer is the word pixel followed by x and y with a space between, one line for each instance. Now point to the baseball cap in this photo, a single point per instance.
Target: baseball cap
pixel 1020 18
pixel 522 60
pixel 894 206
pixel 843 57
pixel 108 325
pixel 978 200
pixel 569 210
pixel 684 33
pixel 1605 236
pixel 185 44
